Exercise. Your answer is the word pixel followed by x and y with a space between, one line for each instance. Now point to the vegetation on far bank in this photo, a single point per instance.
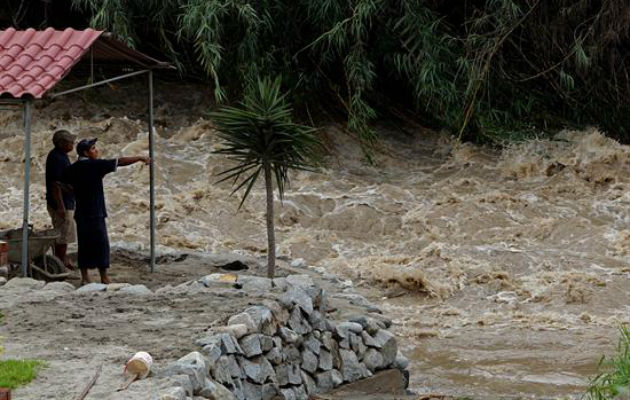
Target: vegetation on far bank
pixel 490 70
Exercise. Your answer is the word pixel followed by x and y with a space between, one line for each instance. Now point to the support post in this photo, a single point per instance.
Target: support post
pixel 91 65
pixel 151 172
pixel 27 184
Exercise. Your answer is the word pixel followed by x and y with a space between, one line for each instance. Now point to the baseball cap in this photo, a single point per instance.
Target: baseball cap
pixel 63 135
pixel 84 145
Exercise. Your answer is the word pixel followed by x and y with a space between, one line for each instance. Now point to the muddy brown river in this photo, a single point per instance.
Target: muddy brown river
pixel 506 271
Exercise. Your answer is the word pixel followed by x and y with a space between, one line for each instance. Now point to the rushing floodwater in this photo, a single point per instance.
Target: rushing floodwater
pixel 514 263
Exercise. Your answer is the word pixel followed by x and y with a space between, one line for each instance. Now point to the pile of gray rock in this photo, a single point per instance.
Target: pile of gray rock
pixel 284 348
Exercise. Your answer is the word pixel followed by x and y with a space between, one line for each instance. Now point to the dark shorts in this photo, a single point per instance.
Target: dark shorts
pixel 93 243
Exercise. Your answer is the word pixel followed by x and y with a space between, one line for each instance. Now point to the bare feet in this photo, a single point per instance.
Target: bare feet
pixel 85 277
pixel 104 277
pixel 68 263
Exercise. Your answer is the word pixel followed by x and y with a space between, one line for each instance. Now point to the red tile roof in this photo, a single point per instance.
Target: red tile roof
pixel 32 62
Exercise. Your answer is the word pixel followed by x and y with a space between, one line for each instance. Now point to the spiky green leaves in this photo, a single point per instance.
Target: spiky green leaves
pixel 259 132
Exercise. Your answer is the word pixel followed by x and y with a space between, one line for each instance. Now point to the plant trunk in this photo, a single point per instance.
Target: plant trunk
pixel 271 235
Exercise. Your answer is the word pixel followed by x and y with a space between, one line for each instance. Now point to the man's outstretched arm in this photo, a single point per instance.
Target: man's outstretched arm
pixel 122 161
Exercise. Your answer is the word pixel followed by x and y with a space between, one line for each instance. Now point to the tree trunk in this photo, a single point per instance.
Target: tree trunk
pixel 271 235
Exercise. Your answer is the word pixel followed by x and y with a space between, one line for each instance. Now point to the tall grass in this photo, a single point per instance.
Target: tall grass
pixel 613 380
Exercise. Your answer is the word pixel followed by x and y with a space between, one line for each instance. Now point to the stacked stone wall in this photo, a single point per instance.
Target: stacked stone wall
pixel 284 348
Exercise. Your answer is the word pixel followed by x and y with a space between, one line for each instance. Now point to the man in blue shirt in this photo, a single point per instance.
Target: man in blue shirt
pixel 60 200
pixel 86 177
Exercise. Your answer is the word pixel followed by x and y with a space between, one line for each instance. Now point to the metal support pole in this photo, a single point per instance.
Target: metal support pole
pixel 91 65
pixel 129 75
pixel 151 172
pixel 27 183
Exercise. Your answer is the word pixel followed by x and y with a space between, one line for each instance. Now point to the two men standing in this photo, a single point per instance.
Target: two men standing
pixel 85 177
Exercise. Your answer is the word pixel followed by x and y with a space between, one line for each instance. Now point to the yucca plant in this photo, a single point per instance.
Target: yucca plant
pixel 260 136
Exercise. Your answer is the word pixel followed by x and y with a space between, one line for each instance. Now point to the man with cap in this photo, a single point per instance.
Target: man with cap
pixel 59 199
pixel 86 177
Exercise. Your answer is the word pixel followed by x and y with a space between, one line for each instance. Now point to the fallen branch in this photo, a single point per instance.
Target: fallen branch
pixel 90 383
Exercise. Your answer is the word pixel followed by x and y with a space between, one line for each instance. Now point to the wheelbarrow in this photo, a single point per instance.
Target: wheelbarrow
pixel 41 264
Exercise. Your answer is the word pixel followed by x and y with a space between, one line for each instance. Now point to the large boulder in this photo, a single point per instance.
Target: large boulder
pixel 236 330
pixel 89 288
pixel 258 370
pixel 280 313
pixel 59 287
pixel 215 391
pixel 325 360
pixel 289 336
pixel 135 290
pixel 269 391
pixel 288 373
pixel 300 280
pixel 296 296
pixel 371 325
pixel 385 341
pixel 252 391
pixel 312 344
pixel 309 383
pixel 298 323
pixel 263 319
pixel 309 361
pixel 351 368
pixel 226 342
pixel 182 381
pixel 344 328
pixel 373 360
pixel 193 365
pixel 173 393
pixel 24 284
pixel 250 345
pixel 255 283
pixel 243 319
pixel 328 380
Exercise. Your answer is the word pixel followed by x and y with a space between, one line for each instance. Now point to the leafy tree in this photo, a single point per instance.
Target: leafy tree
pixel 261 137
pixel 485 69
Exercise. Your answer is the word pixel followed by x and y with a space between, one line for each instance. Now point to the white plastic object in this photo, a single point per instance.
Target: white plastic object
pixel 139 365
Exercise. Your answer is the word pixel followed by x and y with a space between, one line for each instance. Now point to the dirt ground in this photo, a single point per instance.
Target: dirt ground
pixel 76 333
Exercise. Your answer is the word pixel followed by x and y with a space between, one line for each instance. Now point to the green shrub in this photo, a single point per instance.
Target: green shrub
pixel 14 373
pixel 613 380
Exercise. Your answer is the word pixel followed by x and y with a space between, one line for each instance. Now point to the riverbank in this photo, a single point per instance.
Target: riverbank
pixel 77 331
